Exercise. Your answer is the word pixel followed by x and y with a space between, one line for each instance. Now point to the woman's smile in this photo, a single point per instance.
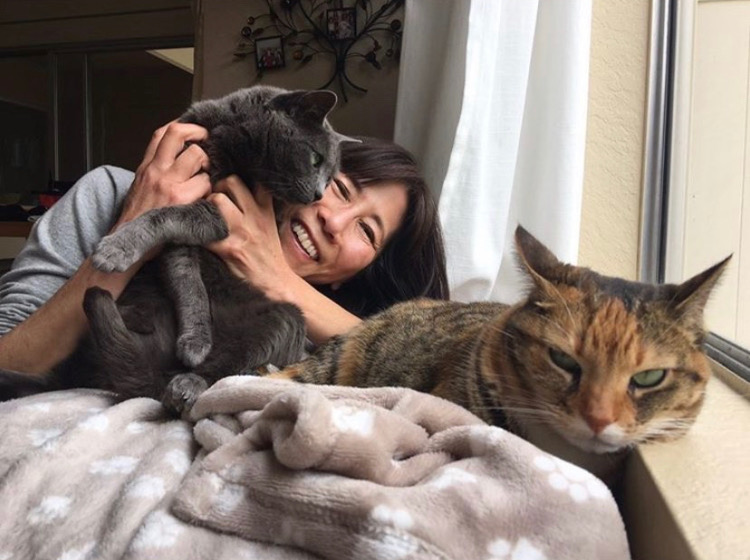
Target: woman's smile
pixel 332 239
pixel 302 237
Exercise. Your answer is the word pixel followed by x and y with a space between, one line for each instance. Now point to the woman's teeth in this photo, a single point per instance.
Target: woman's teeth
pixel 304 240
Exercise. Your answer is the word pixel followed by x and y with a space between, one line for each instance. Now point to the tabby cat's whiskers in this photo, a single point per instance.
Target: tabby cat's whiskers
pixel 566 358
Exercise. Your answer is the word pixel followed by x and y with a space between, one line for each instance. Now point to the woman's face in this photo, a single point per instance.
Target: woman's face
pixel 332 239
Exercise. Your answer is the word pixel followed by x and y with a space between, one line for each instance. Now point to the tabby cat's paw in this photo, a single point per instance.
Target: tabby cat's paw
pixel 182 392
pixel 112 256
pixel 194 346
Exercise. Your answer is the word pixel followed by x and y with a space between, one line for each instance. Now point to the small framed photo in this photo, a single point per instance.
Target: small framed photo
pixel 269 52
pixel 342 23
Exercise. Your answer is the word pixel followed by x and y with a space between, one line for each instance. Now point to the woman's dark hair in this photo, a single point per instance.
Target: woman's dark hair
pixel 412 263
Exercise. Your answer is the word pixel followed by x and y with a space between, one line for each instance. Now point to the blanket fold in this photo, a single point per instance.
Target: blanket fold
pixel 272 470
pixel 385 473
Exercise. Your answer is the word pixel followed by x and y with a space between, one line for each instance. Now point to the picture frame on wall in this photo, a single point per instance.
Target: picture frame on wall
pixel 342 23
pixel 269 53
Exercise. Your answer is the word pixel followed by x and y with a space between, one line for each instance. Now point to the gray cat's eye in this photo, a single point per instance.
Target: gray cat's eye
pixel 315 159
pixel 564 361
pixel 649 378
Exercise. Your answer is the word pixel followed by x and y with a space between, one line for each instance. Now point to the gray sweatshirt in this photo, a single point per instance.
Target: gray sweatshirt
pixel 60 241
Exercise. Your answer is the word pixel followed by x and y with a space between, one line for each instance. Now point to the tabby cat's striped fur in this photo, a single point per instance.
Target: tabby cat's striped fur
pixel 605 363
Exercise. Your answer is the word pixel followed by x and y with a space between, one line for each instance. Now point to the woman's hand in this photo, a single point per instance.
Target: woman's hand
pixel 169 173
pixel 252 250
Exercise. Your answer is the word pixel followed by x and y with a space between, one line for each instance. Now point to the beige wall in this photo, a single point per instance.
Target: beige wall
pixel 617 100
pixel 29 25
pixel 615 136
pixel 218 72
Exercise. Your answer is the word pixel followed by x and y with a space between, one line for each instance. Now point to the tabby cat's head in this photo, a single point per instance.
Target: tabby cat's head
pixel 606 362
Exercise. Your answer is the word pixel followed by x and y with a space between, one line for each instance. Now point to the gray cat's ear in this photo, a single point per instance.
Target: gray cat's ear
pixel 344 138
pixel 311 105
pixel 691 297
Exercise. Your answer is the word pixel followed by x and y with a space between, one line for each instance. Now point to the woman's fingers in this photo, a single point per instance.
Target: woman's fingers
pixel 192 160
pixel 169 173
pixel 226 207
pixel 173 142
pixel 196 187
pixel 263 198
pixel 156 137
pixel 257 203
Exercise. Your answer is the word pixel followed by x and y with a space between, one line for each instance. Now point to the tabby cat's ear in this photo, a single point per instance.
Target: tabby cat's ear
pixel 692 295
pixel 534 256
pixel 310 105
pixel 538 261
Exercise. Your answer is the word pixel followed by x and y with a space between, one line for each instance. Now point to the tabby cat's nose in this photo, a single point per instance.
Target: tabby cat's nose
pixel 598 420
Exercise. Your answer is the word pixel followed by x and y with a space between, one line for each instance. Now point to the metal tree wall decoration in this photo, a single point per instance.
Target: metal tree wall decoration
pixel 324 28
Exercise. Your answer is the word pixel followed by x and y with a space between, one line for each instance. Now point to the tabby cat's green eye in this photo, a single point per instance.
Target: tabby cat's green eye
pixel 563 361
pixel 315 159
pixel 649 378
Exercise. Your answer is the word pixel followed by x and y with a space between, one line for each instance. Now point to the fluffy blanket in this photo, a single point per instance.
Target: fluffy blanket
pixel 269 469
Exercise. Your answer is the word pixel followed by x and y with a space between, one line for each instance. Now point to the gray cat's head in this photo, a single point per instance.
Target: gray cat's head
pixel 302 146
pixel 268 135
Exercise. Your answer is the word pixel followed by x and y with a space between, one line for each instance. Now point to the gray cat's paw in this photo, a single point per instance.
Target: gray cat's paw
pixel 194 346
pixel 182 392
pixel 112 255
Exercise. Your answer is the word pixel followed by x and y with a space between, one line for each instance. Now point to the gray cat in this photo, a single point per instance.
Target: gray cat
pixel 185 320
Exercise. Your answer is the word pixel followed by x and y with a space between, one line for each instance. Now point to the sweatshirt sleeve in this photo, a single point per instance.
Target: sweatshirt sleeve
pixel 60 241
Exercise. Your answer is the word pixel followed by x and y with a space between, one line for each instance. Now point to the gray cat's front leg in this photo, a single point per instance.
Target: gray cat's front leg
pixel 181 276
pixel 190 224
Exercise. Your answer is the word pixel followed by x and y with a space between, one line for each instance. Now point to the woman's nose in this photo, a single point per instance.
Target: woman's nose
pixel 332 220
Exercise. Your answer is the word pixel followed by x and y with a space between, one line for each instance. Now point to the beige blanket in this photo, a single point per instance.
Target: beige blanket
pixel 273 470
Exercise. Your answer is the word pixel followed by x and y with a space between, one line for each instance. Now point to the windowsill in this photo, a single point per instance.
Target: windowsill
pixel 690 499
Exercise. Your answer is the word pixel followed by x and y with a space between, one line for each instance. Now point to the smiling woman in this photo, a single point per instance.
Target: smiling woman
pixel 372 240
pixel 331 240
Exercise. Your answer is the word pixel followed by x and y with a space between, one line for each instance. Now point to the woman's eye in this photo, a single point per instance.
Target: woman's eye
pixel 648 378
pixel 315 159
pixel 369 233
pixel 564 361
pixel 341 187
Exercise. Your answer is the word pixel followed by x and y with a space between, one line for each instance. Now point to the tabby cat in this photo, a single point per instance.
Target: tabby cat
pixel 184 320
pixel 604 362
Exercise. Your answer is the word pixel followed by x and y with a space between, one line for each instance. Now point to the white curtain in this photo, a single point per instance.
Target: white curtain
pixel 492 100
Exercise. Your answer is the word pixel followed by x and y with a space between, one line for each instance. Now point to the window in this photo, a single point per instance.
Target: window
pixel 697 203
pixel 66 112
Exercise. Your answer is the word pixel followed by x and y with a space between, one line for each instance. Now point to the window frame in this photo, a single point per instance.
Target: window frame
pixel 665 160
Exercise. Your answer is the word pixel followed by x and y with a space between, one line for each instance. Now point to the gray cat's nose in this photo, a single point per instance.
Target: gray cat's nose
pixel 318 195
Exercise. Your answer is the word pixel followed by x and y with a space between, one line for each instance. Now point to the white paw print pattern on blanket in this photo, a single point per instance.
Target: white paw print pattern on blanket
pixel 354 420
pixel 147 486
pixel 578 483
pixel 80 553
pixel 45 438
pixel 393 547
pixel 119 464
pixel 96 423
pixel 451 476
pixel 523 549
pixel 399 518
pixel 160 530
pixel 49 509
